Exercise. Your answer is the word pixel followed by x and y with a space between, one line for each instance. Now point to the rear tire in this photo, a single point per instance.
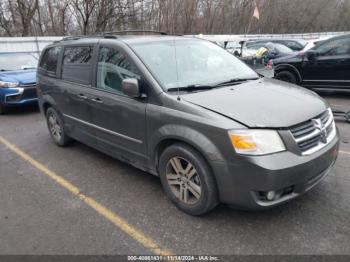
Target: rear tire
pixel 287 76
pixel 56 127
pixel 187 179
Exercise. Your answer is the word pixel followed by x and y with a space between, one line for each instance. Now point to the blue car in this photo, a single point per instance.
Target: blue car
pixel 17 80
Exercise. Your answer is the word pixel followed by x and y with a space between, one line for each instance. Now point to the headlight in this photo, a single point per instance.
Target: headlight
pixel 256 142
pixel 8 84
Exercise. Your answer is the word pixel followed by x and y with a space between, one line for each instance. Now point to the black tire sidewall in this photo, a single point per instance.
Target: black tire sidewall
pixel 291 76
pixel 64 138
pixel 208 198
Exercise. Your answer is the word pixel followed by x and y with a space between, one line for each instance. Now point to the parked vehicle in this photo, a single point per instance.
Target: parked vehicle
pixel 188 111
pixel 326 66
pixel 294 44
pixel 17 79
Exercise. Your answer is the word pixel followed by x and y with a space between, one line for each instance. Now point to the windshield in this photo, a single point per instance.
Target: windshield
pixel 192 62
pixel 17 61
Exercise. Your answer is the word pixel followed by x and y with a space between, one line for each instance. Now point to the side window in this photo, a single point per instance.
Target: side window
pixel 335 48
pixel 77 55
pixel 49 60
pixel 112 68
pixel 77 64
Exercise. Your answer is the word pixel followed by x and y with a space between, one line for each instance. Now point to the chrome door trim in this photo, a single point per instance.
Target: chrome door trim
pixel 103 129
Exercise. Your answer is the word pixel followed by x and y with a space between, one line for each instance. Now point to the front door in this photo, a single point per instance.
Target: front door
pixel 119 119
pixel 330 68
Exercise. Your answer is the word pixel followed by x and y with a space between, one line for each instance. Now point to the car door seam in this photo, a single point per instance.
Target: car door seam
pixel 103 129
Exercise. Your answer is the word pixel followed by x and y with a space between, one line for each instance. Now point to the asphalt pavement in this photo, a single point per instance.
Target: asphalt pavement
pixel 41 215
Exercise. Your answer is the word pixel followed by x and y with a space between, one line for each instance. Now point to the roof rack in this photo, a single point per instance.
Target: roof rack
pixel 77 37
pixel 125 32
pixel 112 34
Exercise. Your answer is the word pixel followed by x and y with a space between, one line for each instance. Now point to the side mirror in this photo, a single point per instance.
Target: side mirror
pixel 130 87
pixel 311 54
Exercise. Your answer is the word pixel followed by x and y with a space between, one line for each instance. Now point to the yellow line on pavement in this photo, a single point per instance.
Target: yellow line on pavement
pixel 344 152
pixel 99 208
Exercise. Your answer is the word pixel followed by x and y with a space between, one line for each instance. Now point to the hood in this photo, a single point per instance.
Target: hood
pixel 261 103
pixel 23 77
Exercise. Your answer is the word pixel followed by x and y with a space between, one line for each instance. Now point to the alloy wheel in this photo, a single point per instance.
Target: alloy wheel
pixel 55 127
pixel 183 180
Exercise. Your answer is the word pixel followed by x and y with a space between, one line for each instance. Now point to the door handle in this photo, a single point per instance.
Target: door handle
pixel 82 96
pixel 97 100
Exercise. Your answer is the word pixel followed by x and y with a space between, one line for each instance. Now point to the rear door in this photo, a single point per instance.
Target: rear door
pixel 76 86
pixel 119 120
pixel 330 68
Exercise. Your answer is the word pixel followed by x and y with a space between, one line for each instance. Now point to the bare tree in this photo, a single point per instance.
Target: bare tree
pixel 61 17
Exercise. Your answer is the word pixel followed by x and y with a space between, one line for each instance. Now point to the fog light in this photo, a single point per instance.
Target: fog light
pixel 270 195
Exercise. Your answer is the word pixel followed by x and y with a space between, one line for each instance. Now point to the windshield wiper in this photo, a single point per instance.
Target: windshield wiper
pixel 190 88
pixel 236 81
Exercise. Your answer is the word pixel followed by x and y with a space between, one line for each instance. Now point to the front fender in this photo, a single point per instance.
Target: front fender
pixel 187 135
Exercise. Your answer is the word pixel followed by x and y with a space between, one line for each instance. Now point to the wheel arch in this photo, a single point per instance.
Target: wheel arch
pixel 290 68
pixel 48 101
pixel 172 134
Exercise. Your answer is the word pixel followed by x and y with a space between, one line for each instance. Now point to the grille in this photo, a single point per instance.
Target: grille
pixel 29 93
pixel 309 137
pixel 24 92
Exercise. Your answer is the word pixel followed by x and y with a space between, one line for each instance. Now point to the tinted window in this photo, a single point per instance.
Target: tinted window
pixel 112 68
pixel 77 55
pixel 49 59
pixel 334 48
pixel 77 66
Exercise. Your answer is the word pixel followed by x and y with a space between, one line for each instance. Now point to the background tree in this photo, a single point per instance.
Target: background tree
pixel 65 17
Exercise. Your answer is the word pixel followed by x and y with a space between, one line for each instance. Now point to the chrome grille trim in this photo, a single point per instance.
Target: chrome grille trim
pixel 309 138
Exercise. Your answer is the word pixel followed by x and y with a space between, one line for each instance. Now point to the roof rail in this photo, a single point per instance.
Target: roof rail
pixel 125 32
pixel 77 37
pixel 112 34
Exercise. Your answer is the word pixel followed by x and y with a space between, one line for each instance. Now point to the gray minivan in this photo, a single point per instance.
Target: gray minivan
pixel 189 112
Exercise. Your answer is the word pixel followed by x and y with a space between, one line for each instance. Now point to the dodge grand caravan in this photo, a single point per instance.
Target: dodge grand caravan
pixel 191 113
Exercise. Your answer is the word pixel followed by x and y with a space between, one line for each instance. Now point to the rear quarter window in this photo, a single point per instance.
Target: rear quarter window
pixel 49 60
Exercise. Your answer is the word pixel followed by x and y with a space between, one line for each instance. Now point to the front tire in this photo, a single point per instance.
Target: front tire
pixel 187 179
pixel 56 127
pixel 287 77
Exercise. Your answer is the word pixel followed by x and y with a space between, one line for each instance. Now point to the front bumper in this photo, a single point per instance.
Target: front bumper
pixel 18 96
pixel 287 174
